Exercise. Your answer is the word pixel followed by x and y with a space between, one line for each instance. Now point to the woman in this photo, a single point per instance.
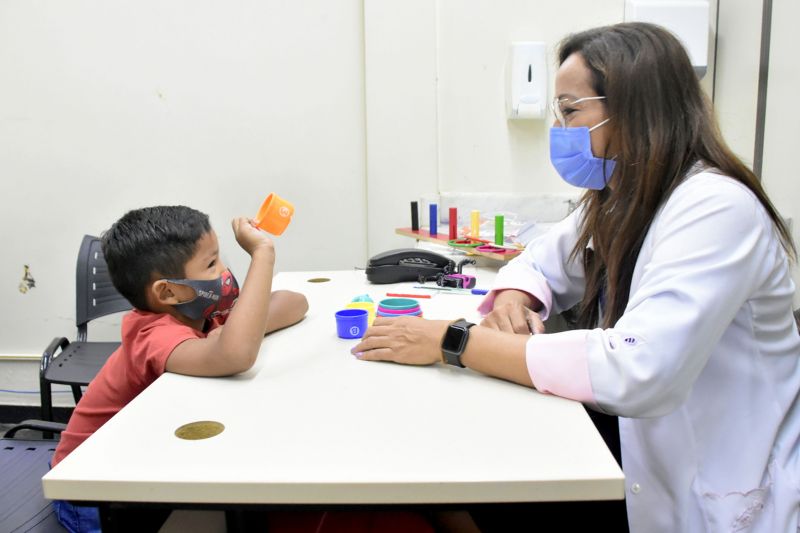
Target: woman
pixel 680 266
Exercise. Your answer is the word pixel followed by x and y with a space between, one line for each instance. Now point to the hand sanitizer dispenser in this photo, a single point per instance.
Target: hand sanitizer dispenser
pixel 526 81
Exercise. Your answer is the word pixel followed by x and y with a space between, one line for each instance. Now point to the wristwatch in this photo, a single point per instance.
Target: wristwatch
pixel 455 341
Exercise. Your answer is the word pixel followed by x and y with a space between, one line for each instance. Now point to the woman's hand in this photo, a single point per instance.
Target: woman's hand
pixel 406 340
pixel 512 314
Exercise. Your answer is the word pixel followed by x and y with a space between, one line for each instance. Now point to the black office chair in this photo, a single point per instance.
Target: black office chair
pixel 23 462
pixel 78 362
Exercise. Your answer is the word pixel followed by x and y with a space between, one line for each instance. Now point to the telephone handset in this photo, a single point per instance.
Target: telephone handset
pixel 407 264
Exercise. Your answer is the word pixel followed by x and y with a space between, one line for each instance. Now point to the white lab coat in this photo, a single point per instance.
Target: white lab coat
pixel 704 365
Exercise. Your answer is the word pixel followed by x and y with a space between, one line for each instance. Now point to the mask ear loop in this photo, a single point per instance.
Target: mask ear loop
pixel 177 282
pixel 598 125
pixel 605 177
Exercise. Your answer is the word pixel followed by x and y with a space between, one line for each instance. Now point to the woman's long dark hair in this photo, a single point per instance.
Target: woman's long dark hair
pixel 661 125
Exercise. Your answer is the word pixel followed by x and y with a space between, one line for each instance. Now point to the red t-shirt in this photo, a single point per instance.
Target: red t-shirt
pixel 147 342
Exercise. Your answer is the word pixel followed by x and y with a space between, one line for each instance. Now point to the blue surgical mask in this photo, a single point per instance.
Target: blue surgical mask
pixel 571 155
pixel 214 297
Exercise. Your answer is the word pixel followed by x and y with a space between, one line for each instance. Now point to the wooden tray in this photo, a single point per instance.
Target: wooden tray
pixel 442 238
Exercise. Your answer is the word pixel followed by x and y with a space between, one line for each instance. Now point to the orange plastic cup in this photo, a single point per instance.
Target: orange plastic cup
pixel 274 215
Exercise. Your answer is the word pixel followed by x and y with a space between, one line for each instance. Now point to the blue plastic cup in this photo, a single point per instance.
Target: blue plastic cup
pixel 351 323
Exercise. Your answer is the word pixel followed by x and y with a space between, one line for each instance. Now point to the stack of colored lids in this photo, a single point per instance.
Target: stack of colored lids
pixel 394 307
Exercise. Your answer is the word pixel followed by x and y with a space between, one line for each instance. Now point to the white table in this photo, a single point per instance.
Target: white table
pixel 311 424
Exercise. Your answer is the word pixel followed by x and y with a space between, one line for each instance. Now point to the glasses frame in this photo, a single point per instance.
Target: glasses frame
pixel 555 106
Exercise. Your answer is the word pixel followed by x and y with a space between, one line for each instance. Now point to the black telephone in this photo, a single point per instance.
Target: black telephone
pixel 407 264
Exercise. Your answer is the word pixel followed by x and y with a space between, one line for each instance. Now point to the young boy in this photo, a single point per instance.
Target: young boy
pixel 165 261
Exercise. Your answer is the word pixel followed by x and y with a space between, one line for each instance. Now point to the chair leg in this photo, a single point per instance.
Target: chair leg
pixel 46 401
pixel 77 394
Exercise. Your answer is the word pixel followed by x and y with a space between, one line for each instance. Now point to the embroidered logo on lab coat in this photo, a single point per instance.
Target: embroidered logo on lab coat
pixel 615 340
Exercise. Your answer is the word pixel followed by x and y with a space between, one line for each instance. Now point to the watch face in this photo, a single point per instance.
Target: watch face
pixel 454 339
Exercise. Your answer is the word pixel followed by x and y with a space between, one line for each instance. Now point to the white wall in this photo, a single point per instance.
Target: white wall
pixel 736 97
pixel 402 149
pixel 781 173
pixel 435 92
pixel 481 150
pixel 736 90
pixel 111 105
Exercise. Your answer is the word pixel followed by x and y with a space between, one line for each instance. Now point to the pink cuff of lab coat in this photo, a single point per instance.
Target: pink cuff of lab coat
pixel 558 365
pixel 537 288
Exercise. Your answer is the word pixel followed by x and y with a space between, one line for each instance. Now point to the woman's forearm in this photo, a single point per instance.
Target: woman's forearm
pixel 499 354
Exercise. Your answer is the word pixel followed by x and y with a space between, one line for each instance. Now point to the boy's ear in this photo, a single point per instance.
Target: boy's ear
pixel 161 291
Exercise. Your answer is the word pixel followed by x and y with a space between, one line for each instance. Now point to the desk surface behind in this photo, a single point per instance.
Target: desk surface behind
pixel 309 423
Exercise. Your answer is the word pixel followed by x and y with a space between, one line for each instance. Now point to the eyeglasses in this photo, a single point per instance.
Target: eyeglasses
pixel 563 107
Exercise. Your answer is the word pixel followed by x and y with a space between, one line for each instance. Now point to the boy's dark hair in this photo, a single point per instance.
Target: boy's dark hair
pixel 148 242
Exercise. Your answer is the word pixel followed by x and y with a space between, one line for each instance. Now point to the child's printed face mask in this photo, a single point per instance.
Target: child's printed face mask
pixel 214 297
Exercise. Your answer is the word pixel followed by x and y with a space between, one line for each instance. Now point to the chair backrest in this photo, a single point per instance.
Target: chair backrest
pixel 95 294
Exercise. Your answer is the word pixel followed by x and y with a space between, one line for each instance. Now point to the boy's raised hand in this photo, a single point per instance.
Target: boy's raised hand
pixel 250 238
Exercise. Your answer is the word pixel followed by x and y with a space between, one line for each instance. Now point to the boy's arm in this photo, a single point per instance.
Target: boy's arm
pixel 235 349
pixel 285 308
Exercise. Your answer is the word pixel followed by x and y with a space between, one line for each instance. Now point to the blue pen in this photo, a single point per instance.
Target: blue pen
pixel 480 291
